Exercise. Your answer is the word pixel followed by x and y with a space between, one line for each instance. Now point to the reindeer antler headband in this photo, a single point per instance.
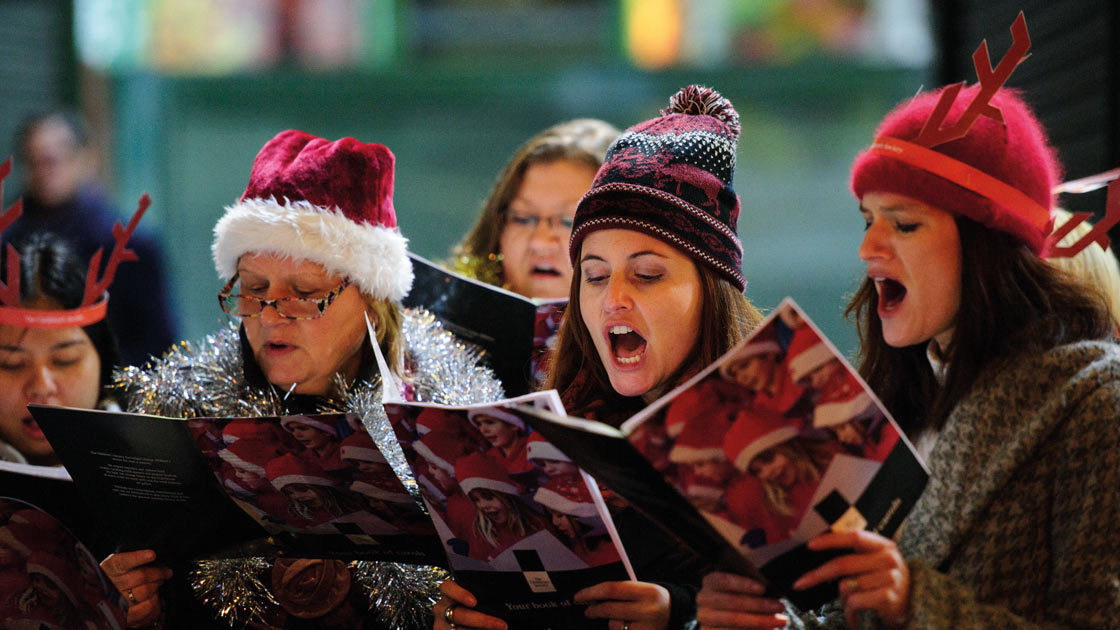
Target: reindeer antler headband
pixel 1099 233
pixel 95 300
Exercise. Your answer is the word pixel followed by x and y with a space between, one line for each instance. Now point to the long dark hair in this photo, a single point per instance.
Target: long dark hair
pixel 1013 303
pixel 726 317
pixel 49 269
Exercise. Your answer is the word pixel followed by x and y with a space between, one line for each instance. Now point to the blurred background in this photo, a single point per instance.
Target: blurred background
pixel 180 95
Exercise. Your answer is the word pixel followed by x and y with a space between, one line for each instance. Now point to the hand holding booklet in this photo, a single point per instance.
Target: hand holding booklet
pixel 776 442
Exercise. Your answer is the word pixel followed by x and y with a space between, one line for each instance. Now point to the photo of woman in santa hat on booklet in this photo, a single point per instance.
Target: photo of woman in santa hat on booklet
pixel 1001 368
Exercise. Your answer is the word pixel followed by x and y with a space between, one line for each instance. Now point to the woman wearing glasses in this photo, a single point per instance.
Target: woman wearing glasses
pixel 310 251
pixel 520 240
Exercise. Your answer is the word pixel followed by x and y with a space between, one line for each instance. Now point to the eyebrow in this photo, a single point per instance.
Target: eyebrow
pixel 891 209
pixel 644 252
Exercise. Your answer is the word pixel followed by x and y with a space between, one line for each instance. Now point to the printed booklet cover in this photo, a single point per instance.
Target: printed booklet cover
pixel 517 333
pixel 302 486
pixel 48 577
pixel 775 443
pixel 524 529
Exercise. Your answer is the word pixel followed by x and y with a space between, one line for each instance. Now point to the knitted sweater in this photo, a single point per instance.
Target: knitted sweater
pixel 1016 528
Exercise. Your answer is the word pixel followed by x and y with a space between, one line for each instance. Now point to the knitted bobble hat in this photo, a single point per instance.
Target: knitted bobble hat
pixel 1014 152
pixel 670 178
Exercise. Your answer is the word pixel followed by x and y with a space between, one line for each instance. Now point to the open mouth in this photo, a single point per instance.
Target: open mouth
pixel 891 293
pixel 546 270
pixel 31 428
pixel 276 346
pixel 627 346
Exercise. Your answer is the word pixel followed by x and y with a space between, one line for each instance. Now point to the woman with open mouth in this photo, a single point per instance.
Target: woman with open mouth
pixel 520 238
pixel 999 368
pixel 656 295
pixel 309 252
pixel 46 356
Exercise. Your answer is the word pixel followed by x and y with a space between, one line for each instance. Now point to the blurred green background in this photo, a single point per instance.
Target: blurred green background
pixel 182 93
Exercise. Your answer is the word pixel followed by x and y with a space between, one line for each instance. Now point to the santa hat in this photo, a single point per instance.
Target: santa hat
pixel 765 341
pixel 753 432
pixel 431 419
pixel 670 178
pixel 252 429
pixel 327 202
pixel 316 422
pixel 567 494
pixel 479 472
pixel 55 570
pixel 539 448
pixel 442 449
pixel 359 446
pixel 9 537
pixel 251 455
pixel 704 488
pixel 806 353
pixel 498 414
pixel 37 528
pixel 701 439
pixel 288 469
pixel 385 487
pixel 843 400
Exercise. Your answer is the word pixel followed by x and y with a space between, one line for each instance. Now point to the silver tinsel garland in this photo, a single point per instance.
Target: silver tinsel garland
pixel 206 379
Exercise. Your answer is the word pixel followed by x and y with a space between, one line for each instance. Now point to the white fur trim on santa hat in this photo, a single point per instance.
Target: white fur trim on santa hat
pixel 377 492
pixel 35 567
pixel 310 421
pixel 237 462
pixel 808 360
pixel 681 454
pixel 544 450
pixel 375 258
pixel 499 414
pixel 702 491
pixel 768 440
pixel 550 498
pixel 310 480
pixel 831 414
pixel 423 451
pixel 361 454
pixel 474 483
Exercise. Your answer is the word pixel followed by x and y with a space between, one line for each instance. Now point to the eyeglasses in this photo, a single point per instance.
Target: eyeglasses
pixel 529 222
pixel 288 308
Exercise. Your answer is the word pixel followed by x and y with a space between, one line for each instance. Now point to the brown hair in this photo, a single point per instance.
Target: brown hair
pixel 1012 304
pixel 582 140
pixel 386 317
pixel 726 317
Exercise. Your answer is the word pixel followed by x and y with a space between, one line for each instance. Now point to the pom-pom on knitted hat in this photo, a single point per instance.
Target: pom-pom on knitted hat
pixel 670 178
pixel 1015 152
pixel 327 202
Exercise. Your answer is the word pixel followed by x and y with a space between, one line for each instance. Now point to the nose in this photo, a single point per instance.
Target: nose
pixel 617 297
pixel 270 316
pixel 874 245
pixel 543 238
pixel 42 385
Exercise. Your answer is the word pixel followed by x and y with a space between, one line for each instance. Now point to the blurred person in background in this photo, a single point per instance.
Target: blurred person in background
pixel 62 196
pixel 520 240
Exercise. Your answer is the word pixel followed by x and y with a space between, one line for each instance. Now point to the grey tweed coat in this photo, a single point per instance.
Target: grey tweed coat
pixel 1019 526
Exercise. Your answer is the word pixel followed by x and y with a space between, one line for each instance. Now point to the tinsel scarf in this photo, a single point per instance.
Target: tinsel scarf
pixel 207 379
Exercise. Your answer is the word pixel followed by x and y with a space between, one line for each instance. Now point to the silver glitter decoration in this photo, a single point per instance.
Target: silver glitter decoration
pixel 206 379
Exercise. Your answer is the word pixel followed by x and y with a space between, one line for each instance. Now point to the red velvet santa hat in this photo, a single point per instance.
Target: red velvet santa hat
pixel 9 537
pixel 567 494
pixel 54 569
pixel 704 488
pixel 252 429
pixel 251 455
pixel 442 449
pixel 765 341
pixel 432 419
pixel 37 521
pixel 498 414
pixel 753 432
pixel 701 439
pixel 359 446
pixel 477 471
pixel 327 202
pixel 806 353
pixel 539 448
pixel 384 487
pixel 288 469
pixel 841 401
pixel 315 422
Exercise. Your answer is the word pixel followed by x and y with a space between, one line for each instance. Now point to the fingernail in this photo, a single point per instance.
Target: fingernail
pixel 799 584
pixel 754 588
